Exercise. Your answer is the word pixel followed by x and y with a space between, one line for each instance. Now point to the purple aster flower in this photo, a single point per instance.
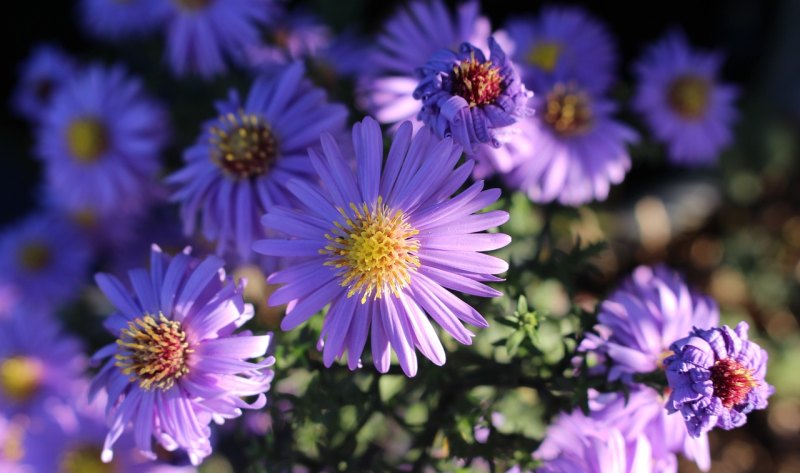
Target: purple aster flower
pixel 202 35
pixel 562 41
pixel 683 102
pixel 292 37
pixel 177 363
pixel 408 40
pixel 717 378
pixel 239 166
pixel 41 76
pixel 101 140
pixel 384 245
pixel 44 260
pixel 38 362
pixel 119 19
pixel 641 319
pixel 570 151
pixel 469 97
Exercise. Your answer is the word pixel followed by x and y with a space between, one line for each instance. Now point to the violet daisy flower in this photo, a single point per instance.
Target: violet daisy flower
pixel 570 151
pixel 408 40
pixel 177 363
pixel 44 73
pixel 717 378
pixel 683 102
pixel 383 245
pixel 239 167
pixel 101 140
pixel 562 41
pixel 45 260
pixel 202 35
pixel 469 97
pixel 118 19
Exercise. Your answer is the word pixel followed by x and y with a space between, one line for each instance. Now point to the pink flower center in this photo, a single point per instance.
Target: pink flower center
pixel 732 382
pixel 479 83
pixel 244 146
pixel 154 352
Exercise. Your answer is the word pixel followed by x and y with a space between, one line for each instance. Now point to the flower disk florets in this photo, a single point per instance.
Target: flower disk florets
pixel 243 145
pixel 689 96
pixel 568 110
pixel 732 381
pixel 479 83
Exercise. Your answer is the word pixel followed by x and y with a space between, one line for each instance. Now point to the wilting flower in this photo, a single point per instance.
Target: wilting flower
pixel 38 362
pixel 203 35
pixel 41 76
pixel 562 42
pixel 177 363
pixel 683 102
pixel 45 260
pixel 119 19
pixel 641 319
pixel 384 245
pixel 407 41
pixel 242 161
pixel 469 97
pixel 570 151
pixel 717 378
pixel 101 140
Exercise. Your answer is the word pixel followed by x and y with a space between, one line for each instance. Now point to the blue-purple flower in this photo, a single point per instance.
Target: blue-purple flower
pixel 407 41
pixel 101 140
pixel 570 151
pixel 562 42
pixel 292 37
pixel 203 36
pixel 178 362
pixel 120 19
pixel 469 97
pixel 44 260
pixel 239 167
pixel 683 102
pixel 717 378
pixel 384 245
pixel 41 76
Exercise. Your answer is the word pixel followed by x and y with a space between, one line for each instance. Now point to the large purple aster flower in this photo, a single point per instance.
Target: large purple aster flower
pixel 469 97
pixel 383 245
pixel 119 19
pixel 45 260
pixel 570 151
pixel 562 41
pixel 202 35
pixel 408 40
pixel 177 363
pixel 242 161
pixel 101 140
pixel 717 378
pixel 41 76
pixel 683 102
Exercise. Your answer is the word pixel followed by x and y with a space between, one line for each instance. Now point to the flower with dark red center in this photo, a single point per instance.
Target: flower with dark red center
pixel 469 97
pixel 717 378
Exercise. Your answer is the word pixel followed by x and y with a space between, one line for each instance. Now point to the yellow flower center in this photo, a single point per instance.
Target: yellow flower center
pixel 85 218
pixel 190 5
pixel 243 145
pixel 35 256
pixel 375 250
pixel 154 352
pixel 689 96
pixel 85 459
pixel 544 55
pixel 87 139
pixel 479 83
pixel 11 446
pixel 20 377
pixel 568 110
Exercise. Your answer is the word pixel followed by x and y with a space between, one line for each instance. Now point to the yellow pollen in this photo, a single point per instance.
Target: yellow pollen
pixel 689 96
pixel 85 459
pixel 87 139
pixel 243 145
pixel 11 447
pixel 154 352
pixel 568 110
pixel 544 55
pixel 35 256
pixel 20 377
pixel 479 83
pixel 375 249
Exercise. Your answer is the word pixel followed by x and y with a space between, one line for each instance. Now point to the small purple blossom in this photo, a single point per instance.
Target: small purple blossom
pixel 683 102
pixel 178 362
pixel 120 19
pixel 44 73
pixel 469 97
pixel 294 36
pixel 239 167
pixel 384 245
pixel 717 378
